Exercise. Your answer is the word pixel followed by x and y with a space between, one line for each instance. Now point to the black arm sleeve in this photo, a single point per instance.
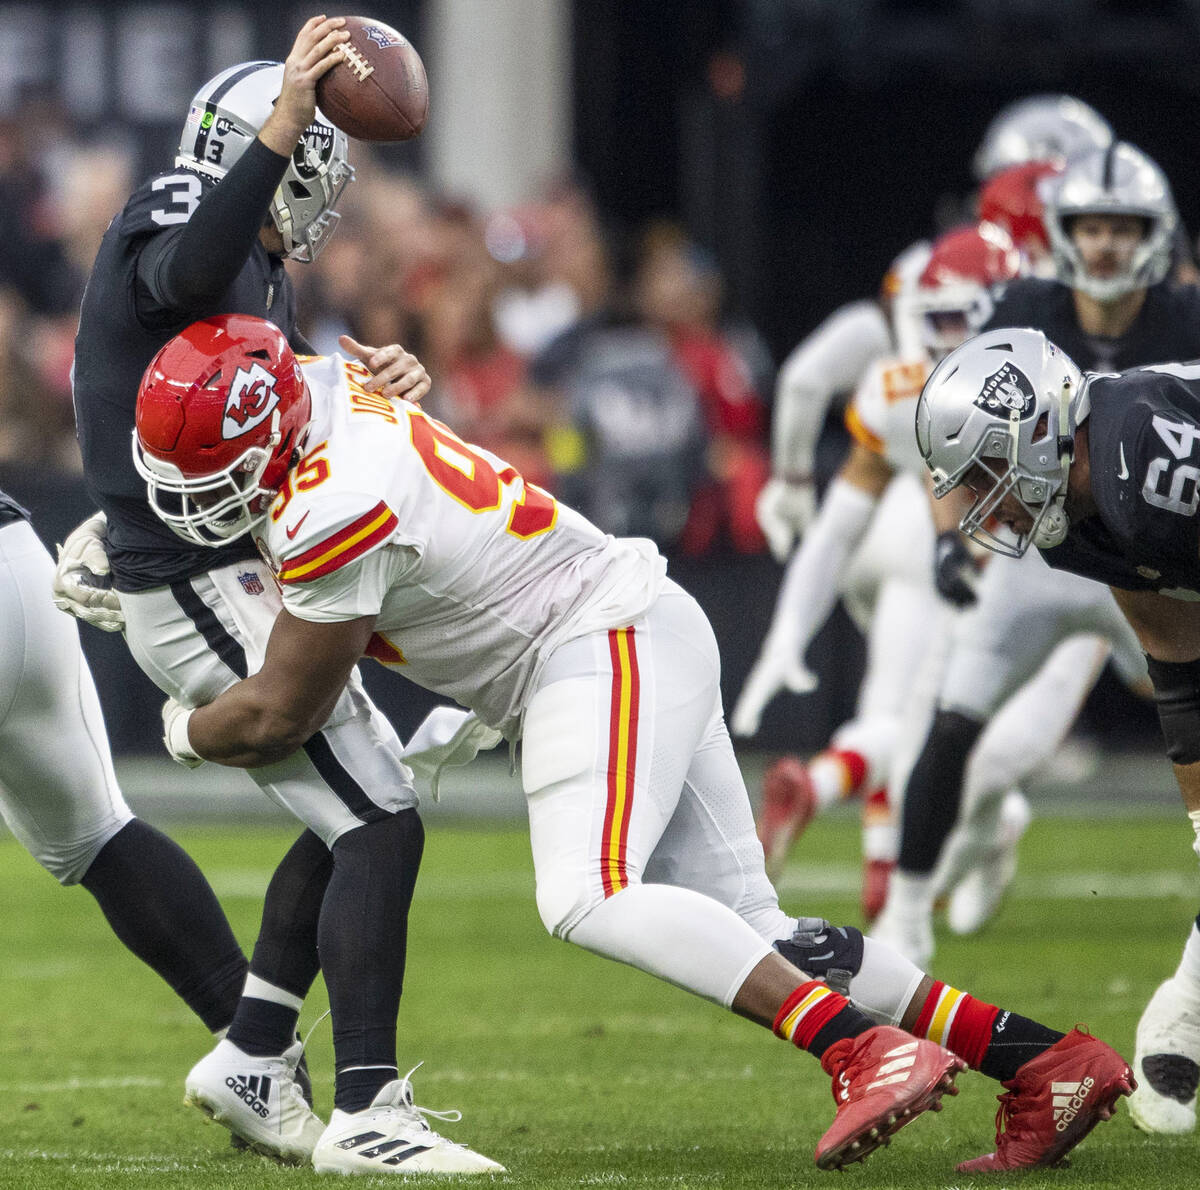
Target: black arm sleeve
pixel 194 266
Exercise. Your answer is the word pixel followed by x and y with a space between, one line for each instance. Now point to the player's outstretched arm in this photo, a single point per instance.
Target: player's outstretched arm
pixel 271 714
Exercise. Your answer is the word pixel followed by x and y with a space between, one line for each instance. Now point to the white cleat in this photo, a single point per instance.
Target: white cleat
pixel 978 894
pixel 1166 1062
pixel 392 1136
pixel 257 1099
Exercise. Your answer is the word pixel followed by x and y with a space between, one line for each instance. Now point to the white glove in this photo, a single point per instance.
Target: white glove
pixel 779 667
pixel 82 585
pixel 1194 815
pixel 175 718
pixel 785 509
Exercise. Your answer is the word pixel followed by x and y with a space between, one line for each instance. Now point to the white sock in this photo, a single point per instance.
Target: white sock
pixel 829 779
pixel 1188 972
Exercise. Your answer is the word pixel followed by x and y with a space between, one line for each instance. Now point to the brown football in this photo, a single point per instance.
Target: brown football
pixel 378 91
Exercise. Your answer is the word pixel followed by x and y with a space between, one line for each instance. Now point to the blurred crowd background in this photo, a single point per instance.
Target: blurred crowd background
pixel 621 218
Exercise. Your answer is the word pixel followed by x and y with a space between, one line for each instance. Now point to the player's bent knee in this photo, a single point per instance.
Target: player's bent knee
pixel 68 862
pixel 830 953
pixel 563 901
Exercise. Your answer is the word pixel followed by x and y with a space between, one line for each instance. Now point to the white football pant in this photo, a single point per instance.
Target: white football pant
pixel 59 793
pixel 194 639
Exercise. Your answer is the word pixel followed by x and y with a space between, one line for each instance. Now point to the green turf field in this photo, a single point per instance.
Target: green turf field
pixel 570 1070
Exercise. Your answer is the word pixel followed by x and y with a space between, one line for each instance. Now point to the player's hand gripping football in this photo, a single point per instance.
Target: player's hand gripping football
pixel 82 584
pixel 315 51
pixel 396 373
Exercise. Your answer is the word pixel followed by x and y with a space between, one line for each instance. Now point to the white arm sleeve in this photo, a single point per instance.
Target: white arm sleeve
pixel 831 360
pixel 813 576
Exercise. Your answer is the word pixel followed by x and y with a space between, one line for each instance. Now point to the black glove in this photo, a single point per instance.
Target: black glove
pixel 954 570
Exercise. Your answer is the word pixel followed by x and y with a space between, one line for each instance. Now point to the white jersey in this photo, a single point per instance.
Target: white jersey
pixel 882 415
pixel 473 575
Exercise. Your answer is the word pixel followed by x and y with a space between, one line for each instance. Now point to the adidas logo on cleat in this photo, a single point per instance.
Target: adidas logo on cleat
pixel 1067 1099
pixel 249 1091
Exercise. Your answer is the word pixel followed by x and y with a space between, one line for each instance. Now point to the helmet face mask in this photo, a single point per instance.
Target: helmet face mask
pixel 998 415
pixel 221 412
pixel 225 116
pixel 951 298
pixel 1120 181
pixel 212 509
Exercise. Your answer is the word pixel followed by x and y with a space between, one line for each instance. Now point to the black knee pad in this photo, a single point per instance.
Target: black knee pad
pixel 832 954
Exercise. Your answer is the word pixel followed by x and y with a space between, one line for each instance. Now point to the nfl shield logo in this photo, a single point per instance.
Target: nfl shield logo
pixel 251 583
pixel 382 36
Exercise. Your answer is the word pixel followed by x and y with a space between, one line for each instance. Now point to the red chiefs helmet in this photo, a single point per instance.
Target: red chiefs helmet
pixel 951 300
pixel 221 410
pixel 1012 199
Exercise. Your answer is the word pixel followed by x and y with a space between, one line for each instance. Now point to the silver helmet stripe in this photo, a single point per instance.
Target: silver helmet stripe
pixel 218 93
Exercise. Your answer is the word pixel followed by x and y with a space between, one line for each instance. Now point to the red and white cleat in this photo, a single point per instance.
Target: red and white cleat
pixel 788 805
pixel 882 1080
pixel 1053 1102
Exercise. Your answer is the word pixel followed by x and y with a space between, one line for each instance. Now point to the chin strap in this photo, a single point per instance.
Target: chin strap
pixel 1052 527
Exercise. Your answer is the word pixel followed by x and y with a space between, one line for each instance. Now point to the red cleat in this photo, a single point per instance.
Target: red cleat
pixel 788 805
pixel 882 1080
pixel 1053 1102
pixel 876 874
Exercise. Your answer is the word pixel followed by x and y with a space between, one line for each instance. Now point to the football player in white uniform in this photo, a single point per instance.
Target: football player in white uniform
pixel 390 535
pixel 878 499
pixel 827 366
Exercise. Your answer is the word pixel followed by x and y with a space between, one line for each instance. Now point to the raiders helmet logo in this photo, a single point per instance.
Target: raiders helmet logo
pixel 314 150
pixel 1005 391
pixel 251 398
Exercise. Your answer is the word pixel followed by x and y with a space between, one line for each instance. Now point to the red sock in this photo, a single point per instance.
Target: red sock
pixel 813 1017
pixel 957 1021
pixel 855 765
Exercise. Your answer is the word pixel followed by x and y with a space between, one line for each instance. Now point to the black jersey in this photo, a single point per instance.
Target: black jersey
pixel 10 510
pixel 1167 326
pixel 123 322
pixel 1144 454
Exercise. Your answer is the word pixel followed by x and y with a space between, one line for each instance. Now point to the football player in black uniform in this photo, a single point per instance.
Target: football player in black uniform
pixel 257 177
pixel 1110 220
pixel 1102 473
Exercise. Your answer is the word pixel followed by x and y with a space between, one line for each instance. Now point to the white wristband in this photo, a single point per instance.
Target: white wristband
pixel 176 737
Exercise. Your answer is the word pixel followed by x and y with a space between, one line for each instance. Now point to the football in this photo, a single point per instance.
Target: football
pixel 378 91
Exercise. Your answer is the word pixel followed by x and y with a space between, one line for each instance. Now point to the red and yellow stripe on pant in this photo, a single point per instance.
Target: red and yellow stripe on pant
pixel 622 758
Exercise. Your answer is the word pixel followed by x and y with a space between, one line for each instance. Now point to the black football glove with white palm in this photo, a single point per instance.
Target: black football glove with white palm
pixel 955 571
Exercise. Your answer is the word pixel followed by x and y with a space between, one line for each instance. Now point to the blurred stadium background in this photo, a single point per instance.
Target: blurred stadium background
pixel 748 164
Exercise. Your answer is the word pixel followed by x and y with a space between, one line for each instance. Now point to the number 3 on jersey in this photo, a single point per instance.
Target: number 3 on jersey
pixel 469 478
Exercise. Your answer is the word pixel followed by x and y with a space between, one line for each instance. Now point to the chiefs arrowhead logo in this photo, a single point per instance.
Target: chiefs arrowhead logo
pixel 251 399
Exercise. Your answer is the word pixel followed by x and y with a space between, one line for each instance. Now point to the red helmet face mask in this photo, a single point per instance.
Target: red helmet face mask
pixel 951 300
pixel 221 411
